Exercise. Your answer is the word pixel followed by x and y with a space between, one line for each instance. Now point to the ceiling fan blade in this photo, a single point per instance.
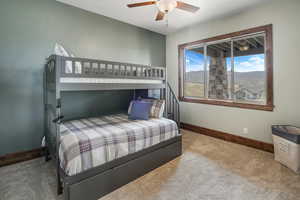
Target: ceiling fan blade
pixel 187 7
pixel 147 3
pixel 160 16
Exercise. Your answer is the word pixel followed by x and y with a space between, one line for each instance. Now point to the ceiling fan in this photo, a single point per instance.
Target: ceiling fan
pixel 166 6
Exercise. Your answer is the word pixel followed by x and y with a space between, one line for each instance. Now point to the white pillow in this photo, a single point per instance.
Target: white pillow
pixel 61 51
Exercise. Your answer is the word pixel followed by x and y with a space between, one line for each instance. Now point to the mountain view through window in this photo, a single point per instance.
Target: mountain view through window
pixel 227 70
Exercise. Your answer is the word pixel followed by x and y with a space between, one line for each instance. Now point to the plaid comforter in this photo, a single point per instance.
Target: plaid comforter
pixel 87 143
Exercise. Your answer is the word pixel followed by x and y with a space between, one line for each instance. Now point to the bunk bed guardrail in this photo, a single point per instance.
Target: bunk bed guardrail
pixel 91 68
pixel 74 74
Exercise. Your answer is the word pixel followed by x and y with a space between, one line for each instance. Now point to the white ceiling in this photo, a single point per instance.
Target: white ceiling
pixel 177 19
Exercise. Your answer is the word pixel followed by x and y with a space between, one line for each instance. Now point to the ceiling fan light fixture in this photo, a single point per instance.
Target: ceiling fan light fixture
pixel 166 6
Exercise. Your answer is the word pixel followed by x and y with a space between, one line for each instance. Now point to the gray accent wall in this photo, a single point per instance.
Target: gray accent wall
pixel 28 33
pixel 94 103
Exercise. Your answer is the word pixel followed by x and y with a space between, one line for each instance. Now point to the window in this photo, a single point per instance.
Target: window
pixel 231 70
pixel 194 73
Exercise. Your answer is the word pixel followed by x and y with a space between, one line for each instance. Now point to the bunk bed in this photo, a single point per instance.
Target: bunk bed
pixel 92 181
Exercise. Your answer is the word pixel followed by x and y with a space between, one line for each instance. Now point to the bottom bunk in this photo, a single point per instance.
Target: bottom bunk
pixel 98 155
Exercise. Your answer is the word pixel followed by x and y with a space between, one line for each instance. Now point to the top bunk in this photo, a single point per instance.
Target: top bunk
pixel 77 74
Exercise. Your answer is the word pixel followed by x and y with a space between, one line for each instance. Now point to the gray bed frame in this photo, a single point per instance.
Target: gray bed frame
pixel 99 181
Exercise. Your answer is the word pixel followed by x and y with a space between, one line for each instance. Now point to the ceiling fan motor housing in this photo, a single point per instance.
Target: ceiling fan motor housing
pixel 166 6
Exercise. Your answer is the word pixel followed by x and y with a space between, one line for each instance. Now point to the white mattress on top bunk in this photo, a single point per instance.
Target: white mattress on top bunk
pixel 109 80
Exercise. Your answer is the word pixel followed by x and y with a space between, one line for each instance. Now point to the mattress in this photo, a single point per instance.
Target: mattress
pixel 91 142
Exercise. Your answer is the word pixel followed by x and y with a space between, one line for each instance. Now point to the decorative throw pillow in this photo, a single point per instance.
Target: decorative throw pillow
pixel 157 109
pixel 140 110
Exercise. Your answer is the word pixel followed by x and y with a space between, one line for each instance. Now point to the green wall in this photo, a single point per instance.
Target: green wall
pixel 29 30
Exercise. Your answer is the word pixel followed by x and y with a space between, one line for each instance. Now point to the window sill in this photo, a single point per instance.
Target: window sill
pixel 267 107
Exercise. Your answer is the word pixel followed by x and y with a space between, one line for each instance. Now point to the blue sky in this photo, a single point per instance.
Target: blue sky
pixel 195 62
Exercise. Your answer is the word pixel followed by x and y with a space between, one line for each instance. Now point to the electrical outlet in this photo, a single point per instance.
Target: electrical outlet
pixel 245 130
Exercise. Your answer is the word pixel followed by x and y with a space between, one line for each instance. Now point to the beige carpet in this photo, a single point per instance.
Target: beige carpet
pixel 209 169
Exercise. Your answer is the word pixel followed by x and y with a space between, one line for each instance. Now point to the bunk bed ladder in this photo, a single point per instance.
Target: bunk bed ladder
pixel 172 105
